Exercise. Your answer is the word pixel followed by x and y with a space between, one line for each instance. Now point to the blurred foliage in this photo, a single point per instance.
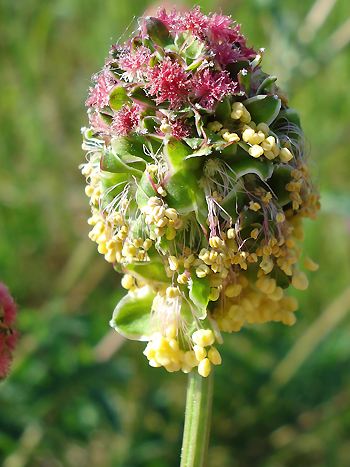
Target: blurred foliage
pixel 79 397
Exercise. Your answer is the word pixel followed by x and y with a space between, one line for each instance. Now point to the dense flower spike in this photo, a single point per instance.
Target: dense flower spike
pixel 198 183
pixel 8 336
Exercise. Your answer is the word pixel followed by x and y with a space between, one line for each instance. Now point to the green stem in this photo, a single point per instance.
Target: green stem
pixel 197 420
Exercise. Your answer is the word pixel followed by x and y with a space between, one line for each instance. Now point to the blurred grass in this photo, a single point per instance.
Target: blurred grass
pixel 66 405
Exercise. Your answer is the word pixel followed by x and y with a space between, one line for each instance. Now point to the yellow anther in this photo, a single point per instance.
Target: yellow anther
pixel 231 234
pixel 269 143
pixel 216 242
pixel 147 244
pixel 173 263
pixel 161 191
pixel 170 233
pixel 246 117
pixel 256 151
pixel 310 265
pixel 203 337
pixel 254 206
pixel 214 294
pixel 202 271
pixel 247 134
pixel 182 278
pixel 267 198
pixel 172 292
pixel 214 126
pixel 171 213
pixel 204 368
pixel 230 137
pixel 89 190
pixel 165 127
pixel 254 233
pixel 171 331
pixel 237 110
pixel 285 155
pixel 280 217
pixel 154 201
pixel 266 264
pixel 299 280
pixel 233 290
pixel 199 352
pixel 214 356
pixel 127 281
pixel 263 127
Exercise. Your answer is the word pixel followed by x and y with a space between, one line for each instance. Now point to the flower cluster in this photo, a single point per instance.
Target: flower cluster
pixel 198 184
pixel 8 336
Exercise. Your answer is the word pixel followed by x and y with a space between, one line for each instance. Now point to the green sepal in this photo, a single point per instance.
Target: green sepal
pixel 194 50
pixel 203 151
pixel 194 143
pixel 199 291
pixel 138 94
pixel 132 316
pixel 244 166
pixel 176 152
pixel 291 115
pixel 267 84
pixel 152 270
pixel 281 176
pixel 118 98
pixel 111 162
pixel 263 108
pixel 180 191
pixel 223 110
pixel 129 147
pixel 144 190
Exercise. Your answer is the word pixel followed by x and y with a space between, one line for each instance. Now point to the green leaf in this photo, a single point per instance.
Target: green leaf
pixel 194 143
pixel 263 108
pixel 112 163
pixel 199 294
pixel 138 94
pixel 131 317
pixel 291 115
pixel 194 50
pixel 118 98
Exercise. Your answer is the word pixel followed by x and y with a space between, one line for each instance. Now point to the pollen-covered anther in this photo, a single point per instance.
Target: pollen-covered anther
pixel 299 280
pixel 231 137
pixel 233 290
pixel 203 337
pixel 216 242
pixel 214 126
pixel 254 206
pixel 128 282
pixel 256 151
pixel 285 155
pixel 202 271
pixel 310 265
pixel 239 112
pixel 172 292
pixel 204 367
pixel 173 263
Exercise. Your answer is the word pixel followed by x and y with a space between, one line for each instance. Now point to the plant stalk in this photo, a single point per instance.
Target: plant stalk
pixel 197 420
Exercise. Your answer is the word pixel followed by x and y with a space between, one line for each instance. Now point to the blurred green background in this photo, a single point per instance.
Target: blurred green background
pixel 80 396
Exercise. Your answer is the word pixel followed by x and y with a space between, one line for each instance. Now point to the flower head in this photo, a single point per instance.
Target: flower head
pixel 197 186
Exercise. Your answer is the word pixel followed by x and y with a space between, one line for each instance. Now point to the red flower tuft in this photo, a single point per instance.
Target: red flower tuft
pixel 168 81
pixel 211 87
pixel 133 62
pixel 171 19
pixel 8 337
pixel 99 94
pixel 126 120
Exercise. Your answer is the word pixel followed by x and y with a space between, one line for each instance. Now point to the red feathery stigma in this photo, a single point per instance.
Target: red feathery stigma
pixel 168 81
pixel 99 94
pixel 126 120
pixel 211 87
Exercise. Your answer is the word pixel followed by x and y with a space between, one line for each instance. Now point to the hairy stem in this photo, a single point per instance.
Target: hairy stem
pixel 197 420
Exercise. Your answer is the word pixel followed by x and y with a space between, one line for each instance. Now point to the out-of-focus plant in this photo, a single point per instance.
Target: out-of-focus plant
pixel 8 335
pixel 198 183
